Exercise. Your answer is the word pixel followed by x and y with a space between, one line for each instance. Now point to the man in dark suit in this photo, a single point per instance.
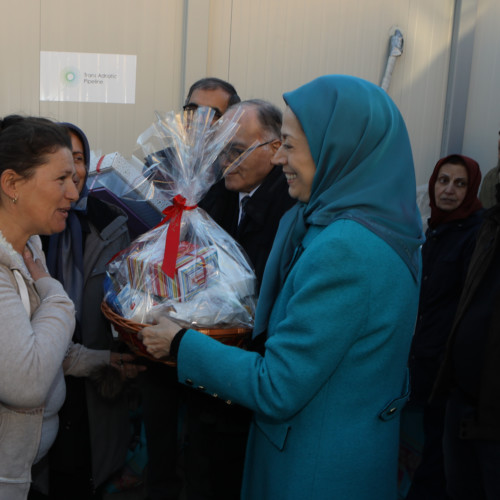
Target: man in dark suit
pixel 258 191
pixel 248 203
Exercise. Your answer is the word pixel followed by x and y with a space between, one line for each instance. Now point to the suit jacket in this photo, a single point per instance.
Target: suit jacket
pixel 262 215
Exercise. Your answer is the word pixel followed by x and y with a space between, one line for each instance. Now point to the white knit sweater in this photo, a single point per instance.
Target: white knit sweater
pixel 32 351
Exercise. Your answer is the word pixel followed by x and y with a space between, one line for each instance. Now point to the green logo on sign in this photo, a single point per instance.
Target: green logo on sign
pixel 70 77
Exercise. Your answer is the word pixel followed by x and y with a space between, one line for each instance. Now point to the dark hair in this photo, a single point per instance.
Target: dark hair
pixel 270 117
pixel 212 83
pixel 25 143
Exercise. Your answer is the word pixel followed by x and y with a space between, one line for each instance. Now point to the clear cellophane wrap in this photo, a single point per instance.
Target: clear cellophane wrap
pixel 187 268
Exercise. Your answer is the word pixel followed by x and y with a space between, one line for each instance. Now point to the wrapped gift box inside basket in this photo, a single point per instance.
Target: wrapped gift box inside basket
pixel 193 269
pixel 187 267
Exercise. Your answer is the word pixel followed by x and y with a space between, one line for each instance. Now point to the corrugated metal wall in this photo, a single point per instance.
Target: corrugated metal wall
pixel 263 47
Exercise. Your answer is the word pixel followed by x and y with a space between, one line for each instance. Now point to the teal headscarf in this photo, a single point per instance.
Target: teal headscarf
pixel 364 172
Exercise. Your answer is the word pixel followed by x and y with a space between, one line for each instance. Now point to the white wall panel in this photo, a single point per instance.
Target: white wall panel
pixel 263 47
pixel 19 56
pixel 197 24
pixel 277 45
pixel 151 29
pixel 422 95
pixel 483 111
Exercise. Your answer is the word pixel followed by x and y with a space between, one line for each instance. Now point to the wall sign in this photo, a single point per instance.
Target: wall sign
pixel 86 77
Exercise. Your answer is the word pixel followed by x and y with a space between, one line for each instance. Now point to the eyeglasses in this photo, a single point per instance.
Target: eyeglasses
pixel 234 155
pixel 192 107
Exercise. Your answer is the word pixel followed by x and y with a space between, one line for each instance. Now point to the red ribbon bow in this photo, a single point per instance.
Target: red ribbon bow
pixel 173 213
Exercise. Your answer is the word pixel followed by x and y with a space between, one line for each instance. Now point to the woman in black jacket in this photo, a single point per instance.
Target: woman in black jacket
pixel 456 214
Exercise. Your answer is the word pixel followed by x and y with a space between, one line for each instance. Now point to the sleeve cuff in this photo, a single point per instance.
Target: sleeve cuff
pixel 176 342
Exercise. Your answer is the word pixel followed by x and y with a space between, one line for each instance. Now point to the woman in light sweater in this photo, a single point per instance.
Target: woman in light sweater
pixel 36 191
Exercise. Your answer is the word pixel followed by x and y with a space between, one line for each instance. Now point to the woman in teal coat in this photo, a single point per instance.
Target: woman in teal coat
pixel 337 306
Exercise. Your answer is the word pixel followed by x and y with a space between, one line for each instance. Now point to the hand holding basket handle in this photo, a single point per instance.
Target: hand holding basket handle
pixel 157 338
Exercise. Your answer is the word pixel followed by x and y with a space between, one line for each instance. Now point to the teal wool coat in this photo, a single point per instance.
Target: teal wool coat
pixel 327 394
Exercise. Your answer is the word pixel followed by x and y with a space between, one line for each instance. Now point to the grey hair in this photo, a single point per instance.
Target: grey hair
pixel 270 116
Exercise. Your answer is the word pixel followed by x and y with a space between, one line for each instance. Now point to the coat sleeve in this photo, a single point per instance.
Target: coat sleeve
pixel 80 361
pixel 33 349
pixel 324 315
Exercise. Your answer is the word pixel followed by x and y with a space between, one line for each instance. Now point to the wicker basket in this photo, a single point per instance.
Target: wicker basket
pixel 127 330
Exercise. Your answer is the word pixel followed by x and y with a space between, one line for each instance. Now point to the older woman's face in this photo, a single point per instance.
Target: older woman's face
pixel 450 188
pixel 295 157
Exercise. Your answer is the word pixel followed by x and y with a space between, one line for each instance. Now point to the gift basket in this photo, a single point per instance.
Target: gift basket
pixel 187 267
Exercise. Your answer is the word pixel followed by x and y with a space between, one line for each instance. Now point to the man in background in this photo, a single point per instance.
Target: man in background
pixel 258 189
pixel 160 390
pixel 212 92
